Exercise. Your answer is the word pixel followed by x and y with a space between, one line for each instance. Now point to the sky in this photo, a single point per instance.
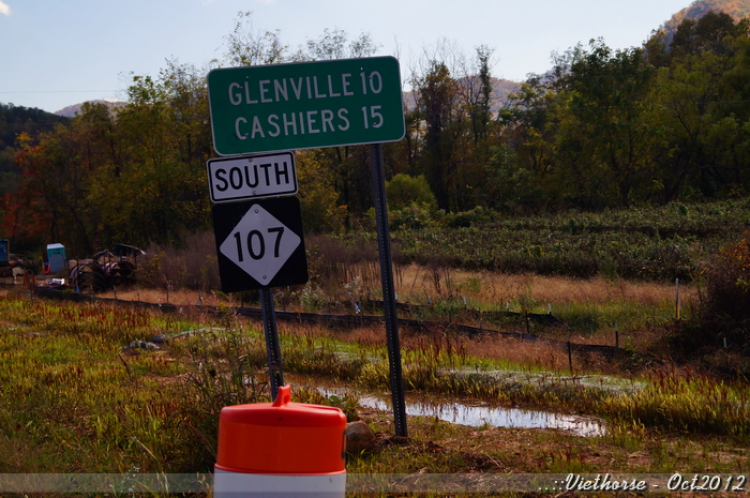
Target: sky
pixel 58 53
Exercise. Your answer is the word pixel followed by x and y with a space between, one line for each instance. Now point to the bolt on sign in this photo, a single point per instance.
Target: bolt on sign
pixel 306 105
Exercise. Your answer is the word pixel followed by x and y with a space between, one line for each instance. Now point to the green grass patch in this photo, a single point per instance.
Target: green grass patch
pixel 73 401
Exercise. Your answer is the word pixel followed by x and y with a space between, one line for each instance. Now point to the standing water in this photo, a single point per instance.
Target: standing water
pixel 476 414
pixel 480 415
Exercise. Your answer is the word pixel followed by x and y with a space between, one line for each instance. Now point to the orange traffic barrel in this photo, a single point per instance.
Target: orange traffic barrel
pixel 280 449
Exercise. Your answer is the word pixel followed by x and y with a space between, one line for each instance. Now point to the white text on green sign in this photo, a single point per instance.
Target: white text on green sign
pixel 306 105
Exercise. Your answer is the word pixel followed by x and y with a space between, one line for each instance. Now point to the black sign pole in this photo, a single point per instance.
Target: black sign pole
pixel 389 297
pixel 272 341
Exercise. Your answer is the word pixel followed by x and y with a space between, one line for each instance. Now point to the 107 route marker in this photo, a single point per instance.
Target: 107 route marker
pixel 263 239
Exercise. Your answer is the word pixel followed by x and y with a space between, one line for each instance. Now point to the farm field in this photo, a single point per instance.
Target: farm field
pixel 571 263
pixel 76 399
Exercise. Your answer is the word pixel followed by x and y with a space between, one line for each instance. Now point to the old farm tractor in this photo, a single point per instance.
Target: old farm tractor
pixel 107 269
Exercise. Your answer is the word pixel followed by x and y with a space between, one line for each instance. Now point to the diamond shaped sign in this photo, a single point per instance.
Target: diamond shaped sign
pixel 260 244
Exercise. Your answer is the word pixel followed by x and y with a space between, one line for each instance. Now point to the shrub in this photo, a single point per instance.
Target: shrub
pixel 723 311
pixel 192 265
pixel 727 291
pixel 475 217
pixel 410 218
pixel 404 191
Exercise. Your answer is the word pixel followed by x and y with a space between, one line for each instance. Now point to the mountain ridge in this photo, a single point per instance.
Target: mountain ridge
pixel 72 110
pixel 737 9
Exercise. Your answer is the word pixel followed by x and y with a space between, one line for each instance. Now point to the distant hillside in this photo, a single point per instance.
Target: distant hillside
pixel 501 88
pixel 738 9
pixel 74 109
pixel 17 119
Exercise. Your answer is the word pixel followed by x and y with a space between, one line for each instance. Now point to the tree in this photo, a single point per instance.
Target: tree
pixel 700 98
pixel 15 120
pixel 404 191
pixel 158 192
pixel 335 44
pixel 249 47
pixel 475 175
pixel 319 201
pixel 523 161
pixel 707 33
pixel 436 94
pixel 604 136
pixel 349 165
pixel 476 89
pixel 55 180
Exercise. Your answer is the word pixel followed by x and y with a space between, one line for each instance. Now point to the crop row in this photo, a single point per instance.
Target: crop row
pixel 655 244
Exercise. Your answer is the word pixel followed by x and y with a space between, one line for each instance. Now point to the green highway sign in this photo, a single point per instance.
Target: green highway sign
pixel 306 105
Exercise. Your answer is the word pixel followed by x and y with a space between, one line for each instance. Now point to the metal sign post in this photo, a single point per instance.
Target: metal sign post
pixel 259 242
pixel 273 349
pixel 389 296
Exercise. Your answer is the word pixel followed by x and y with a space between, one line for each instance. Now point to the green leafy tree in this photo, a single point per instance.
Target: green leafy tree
pixel 604 137
pixel 349 164
pixel 158 191
pixel 436 102
pixel 699 101
pixel 523 161
pixel 319 201
pixel 403 191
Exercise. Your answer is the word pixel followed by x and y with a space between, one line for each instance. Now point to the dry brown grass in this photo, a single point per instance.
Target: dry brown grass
pixel 193 266
pixel 180 297
pixel 550 356
pixel 416 283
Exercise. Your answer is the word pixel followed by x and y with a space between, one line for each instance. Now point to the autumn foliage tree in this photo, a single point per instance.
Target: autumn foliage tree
pixel 613 128
pixel 604 128
pixel 133 175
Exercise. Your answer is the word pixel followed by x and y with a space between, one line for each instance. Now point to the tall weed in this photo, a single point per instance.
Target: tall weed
pixel 680 401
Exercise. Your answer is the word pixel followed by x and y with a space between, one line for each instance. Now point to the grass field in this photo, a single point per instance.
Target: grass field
pixel 73 401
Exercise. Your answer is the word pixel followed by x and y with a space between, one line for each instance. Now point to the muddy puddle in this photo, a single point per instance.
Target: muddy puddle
pixel 470 414
pixel 485 415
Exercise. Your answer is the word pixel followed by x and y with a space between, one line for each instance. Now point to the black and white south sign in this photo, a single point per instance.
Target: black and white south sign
pixel 260 244
pixel 252 176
